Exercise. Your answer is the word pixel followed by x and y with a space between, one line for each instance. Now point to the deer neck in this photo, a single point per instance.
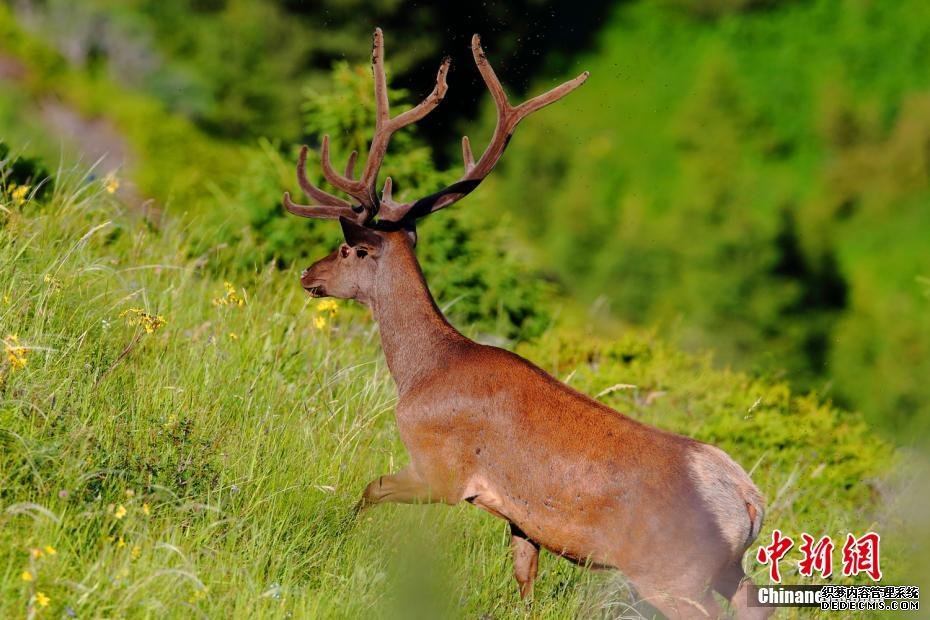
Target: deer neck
pixel 416 337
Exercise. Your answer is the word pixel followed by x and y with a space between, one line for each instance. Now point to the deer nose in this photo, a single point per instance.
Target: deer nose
pixel 303 274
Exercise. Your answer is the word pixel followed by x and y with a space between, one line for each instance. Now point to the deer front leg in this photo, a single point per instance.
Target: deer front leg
pixel 525 560
pixel 403 487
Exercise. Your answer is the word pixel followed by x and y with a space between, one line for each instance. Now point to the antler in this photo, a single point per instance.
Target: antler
pixel 508 117
pixel 363 189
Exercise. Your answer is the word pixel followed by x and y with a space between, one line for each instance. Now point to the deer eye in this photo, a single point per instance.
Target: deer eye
pixel 361 253
pixel 344 251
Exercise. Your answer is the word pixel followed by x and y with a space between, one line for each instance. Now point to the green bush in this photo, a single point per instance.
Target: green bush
pixel 759 180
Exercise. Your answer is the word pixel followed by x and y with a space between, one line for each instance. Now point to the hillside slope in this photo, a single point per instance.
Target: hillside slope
pixel 186 445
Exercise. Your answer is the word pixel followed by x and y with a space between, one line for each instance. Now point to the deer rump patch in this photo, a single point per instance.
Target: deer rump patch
pixel 724 489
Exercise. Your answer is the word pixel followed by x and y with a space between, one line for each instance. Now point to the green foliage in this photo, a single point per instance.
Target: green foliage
pixel 236 67
pixel 23 171
pixel 711 9
pixel 227 66
pixel 209 466
pixel 757 178
pixel 156 161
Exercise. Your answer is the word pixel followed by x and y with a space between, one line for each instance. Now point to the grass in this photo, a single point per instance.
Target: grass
pixel 207 466
pixel 236 437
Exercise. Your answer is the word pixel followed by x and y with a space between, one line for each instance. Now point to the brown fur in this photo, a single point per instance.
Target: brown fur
pixel 571 475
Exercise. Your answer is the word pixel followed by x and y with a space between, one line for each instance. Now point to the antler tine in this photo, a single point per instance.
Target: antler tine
pixel 387 192
pixel 350 165
pixel 383 106
pixel 330 174
pixel 429 103
pixel 540 101
pixel 312 190
pixel 467 155
pixel 487 73
pixel 508 117
pixel 330 207
pixel 328 212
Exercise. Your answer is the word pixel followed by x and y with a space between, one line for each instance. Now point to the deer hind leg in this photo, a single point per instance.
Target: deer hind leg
pixel 733 584
pixel 681 604
pixel 525 560
pixel 402 487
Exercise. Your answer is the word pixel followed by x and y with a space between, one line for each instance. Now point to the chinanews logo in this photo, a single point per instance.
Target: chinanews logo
pixel 859 555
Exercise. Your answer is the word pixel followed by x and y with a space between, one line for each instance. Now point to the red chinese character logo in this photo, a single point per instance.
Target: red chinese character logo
pixel 817 556
pixel 774 552
pixel 860 555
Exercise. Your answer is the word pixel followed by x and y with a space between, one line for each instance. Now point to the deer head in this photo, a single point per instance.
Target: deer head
pixel 378 228
pixel 350 271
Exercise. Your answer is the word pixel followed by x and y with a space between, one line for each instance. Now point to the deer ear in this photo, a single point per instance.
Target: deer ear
pixel 411 231
pixel 356 235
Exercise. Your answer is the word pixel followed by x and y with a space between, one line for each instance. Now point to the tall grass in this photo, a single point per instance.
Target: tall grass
pixel 207 467
pixel 176 446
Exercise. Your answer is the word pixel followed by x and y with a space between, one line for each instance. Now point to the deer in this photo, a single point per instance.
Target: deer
pixel 486 426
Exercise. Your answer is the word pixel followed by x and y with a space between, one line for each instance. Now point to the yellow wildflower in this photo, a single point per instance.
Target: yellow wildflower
pixel 120 543
pixel 145 509
pixel 325 306
pixel 135 552
pixel 6 299
pixel 196 596
pixel 232 297
pixel 15 352
pixel 50 550
pixel 149 322
pixel 36 553
pixel 120 513
pixel 111 184
pixel 42 600
pixel 53 282
pixel 18 194
pixel 233 336
pixel 26 576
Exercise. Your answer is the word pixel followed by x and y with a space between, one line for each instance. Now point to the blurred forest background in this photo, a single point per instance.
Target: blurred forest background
pixel 724 232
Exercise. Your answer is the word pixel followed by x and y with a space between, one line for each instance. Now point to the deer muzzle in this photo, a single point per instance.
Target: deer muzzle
pixel 312 285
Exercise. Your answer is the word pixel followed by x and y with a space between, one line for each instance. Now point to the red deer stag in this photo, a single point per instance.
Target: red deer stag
pixel 483 425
